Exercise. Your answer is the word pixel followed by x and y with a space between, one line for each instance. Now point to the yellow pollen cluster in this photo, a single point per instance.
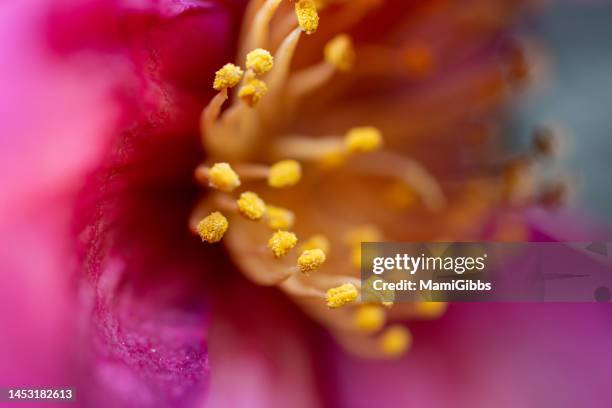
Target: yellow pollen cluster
pixel 285 173
pixel 340 53
pixel 212 228
pixel 279 218
pixel 341 295
pixel 311 260
pixel 282 242
pixel 306 13
pixel 259 61
pixel 395 341
pixel 370 318
pixel 363 139
pixel 222 177
pixel 253 91
pixel 227 77
pixel 316 241
pixel 251 206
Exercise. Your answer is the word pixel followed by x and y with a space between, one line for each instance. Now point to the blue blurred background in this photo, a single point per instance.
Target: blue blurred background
pixel 578 38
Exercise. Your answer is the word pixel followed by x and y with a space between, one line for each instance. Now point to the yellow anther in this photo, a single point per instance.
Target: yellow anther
pixel 279 218
pixel 212 227
pixel 311 260
pixel 431 310
pixel 395 341
pixel 251 206
pixel 259 61
pixel 285 173
pixel 227 77
pixel 316 241
pixel 253 91
pixel 222 177
pixel 340 53
pixel 370 318
pixel 363 139
pixel 306 13
pixel 341 295
pixel 366 233
pixel 282 242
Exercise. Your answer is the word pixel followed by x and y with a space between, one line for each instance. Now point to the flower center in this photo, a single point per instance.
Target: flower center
pixel 248 146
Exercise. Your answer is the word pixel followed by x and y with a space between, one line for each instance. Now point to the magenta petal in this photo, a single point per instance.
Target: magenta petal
pixel 111 111
pixel 143 272
pixel 492 355
pixel 43 157
pixel 261 349
pixel 501 355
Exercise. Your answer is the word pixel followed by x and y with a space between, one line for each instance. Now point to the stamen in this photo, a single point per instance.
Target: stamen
pixel 285 173
pixel 306 13
pixel 307 148
pixel 251 206
pixel 257 34
pixel 275 104
pixel 221 176
pixel 253 91
pixel 211 112
pixel 395 341
pixel 311 260
pixel 259 61
pixel 330 151
pixel 544 142
pixel 227 77
pixel 279 218
pixel 363 139
pixel 407 171
pixel 316 241
pixel 282 242
pixel 308 80
pixel 212 228
pixel 370 318
pixel 340 53
pixel 341 295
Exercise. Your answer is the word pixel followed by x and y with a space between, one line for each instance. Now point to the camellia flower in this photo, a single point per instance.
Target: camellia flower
pixel 157 153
